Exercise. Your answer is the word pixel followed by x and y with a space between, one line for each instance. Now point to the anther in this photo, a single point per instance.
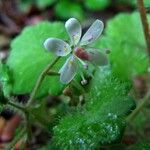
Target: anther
pixel 85 66
pixel 84 82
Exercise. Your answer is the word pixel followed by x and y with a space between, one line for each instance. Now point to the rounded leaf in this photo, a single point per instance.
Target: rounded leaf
pixel 28 59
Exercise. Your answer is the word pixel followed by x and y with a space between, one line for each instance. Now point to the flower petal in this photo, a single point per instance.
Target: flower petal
pixel 68 71
pixel 74 30
pixel 57 46
pixel 97 57
pixel 92 33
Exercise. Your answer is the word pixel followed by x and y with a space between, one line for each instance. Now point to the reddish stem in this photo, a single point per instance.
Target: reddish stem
pixel 145 24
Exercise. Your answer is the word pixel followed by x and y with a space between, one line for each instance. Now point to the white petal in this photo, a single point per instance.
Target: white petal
pixel 57 46
pixel 92 33
pixel 73 28
pixel 68 71
pixel 97 57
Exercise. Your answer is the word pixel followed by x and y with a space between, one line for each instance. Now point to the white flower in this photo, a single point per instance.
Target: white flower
pixel 76 48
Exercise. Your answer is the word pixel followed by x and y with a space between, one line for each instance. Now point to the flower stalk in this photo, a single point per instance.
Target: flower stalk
pixel 39 81
pixel 15 105
pixel 143 103
pixel 145 24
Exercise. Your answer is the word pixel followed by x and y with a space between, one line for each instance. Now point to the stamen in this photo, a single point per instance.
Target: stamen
pixel 65 49
pixel 85 66
pixel 83 81
pixel 71 62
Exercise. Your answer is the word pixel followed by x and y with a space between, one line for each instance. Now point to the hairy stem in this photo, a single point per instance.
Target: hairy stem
pixel 143 103
pixel 26 115
pixel 15 105
pixel 145 24
pixel 39 81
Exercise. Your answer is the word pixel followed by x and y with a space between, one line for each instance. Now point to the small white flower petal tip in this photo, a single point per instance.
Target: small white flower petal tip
pixel 74 30
pixel 68 70
pixel 57 46
pixel 92 33
pixel 97 57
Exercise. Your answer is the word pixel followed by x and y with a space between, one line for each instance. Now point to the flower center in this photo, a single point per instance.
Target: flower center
pixel 81 53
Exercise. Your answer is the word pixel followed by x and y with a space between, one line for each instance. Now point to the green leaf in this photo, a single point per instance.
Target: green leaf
pixel 2 101
pixel 24 5
pixel 101 121
pixel 81 132
pixel 124 37
pixel 66 9
pixel 97 4
pixel 5 80
pixel 107 91
pixel 44 3
pixel 28 58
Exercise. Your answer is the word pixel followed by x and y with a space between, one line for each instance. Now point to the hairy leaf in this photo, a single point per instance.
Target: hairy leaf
pixel 102 119
pixel 109 92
